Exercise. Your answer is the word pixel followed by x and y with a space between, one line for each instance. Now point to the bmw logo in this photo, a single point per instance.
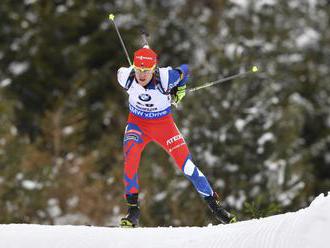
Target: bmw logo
pixel 145 97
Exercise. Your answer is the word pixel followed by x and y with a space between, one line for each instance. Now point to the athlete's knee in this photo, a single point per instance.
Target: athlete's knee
pixel 180 154
pixel 133 138
pixel 133 133
pixel 189 168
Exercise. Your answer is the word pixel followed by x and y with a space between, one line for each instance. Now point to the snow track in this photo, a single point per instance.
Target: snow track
pixel 307 228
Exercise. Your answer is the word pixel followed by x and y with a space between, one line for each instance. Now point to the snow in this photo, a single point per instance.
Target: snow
pixel 160 196
pixel 210 158
pixel 327 157
pixel 232 50
pixel 5 82
pixel 241 3
pixel 290 58
pixel 13 131
pixel 240 124
pixel 265 138
pixel 61 9
pixel 27 2
pixel 308 38
pixel 53 208
pixel 298 99
pixel 18 68
pixel 259 4
pixel 306 228
pixel 31 185
pixel 68 130
pixel 237 201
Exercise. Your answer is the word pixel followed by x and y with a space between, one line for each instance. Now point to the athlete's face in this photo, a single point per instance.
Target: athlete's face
pixel 143 76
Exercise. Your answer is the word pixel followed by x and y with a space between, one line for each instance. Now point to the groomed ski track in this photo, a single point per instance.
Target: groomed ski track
pixel 306 228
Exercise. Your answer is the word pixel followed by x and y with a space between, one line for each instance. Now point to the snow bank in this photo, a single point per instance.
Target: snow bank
pixel 307 228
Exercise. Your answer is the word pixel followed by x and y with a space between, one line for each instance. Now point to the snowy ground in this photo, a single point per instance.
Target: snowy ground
pixel 307 228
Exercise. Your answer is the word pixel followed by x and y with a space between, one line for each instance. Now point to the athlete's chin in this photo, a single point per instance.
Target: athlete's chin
pixel 143 82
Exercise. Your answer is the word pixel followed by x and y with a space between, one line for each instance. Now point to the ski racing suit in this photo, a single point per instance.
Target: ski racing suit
pixel 150 119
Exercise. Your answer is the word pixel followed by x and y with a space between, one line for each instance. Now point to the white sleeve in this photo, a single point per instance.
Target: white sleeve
pixel 164 76
pixel 122 75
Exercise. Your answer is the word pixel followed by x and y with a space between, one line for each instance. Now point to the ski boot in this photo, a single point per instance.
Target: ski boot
pixel 220 213
pixel 132 217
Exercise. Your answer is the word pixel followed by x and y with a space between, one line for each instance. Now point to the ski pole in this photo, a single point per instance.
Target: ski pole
pixel 253 70
pixel 112 18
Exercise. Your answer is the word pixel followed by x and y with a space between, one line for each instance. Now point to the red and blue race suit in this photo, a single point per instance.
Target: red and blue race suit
pixel 150 119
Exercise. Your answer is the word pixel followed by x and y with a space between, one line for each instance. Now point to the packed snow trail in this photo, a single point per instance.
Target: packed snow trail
pixel 307 228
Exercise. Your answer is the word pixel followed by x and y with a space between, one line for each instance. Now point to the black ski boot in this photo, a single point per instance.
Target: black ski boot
pixel 133 214
pixel 220 213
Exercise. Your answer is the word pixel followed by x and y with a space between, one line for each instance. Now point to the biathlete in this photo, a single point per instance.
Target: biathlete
pixel 151 90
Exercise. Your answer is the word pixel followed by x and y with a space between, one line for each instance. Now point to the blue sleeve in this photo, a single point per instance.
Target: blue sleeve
pixel 178 76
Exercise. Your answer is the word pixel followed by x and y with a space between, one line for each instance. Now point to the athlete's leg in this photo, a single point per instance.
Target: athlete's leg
pixel 134 142
pixel 169 137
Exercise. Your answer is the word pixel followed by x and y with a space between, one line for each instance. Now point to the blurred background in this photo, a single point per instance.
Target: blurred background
pixel 263 141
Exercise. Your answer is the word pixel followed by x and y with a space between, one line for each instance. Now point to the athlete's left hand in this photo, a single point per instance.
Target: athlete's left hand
pixel 179 94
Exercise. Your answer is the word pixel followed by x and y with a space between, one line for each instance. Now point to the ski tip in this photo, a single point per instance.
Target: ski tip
pixel 233 220
pixel 111 16
pixel 126 223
